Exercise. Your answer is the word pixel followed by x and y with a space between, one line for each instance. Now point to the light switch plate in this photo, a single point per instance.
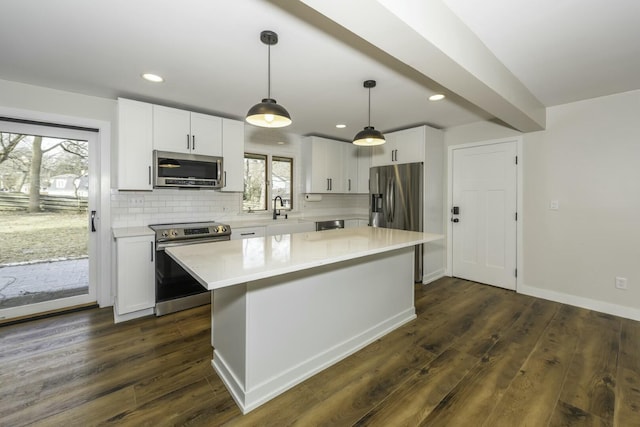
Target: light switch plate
pixel 554 205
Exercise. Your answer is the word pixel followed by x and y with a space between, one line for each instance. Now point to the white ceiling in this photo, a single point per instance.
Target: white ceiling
pixel 562 50
pixel 210 54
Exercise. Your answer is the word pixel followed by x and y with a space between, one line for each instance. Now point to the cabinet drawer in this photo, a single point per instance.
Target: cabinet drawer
pixel 247 232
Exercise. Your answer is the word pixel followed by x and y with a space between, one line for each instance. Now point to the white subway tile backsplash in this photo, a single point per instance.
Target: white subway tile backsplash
pixel 166 206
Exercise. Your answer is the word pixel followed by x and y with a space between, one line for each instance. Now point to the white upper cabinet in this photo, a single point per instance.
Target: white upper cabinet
pixel 357 161
pixel 351 167
pixel 323 165
pixel 186 132
pixel 233 153
pixel 364 164
pixel 135 145
pixel 404 146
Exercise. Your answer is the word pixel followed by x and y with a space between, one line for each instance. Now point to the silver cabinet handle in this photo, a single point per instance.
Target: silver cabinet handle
pixel 151 251
pixel 149 175
pixel 328 187
pixel 224 182
pixel 193 142
pixel 188 144
pixel 248 234
pixel 349 184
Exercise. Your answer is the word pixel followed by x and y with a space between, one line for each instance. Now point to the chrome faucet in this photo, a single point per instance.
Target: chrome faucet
pixel 276 213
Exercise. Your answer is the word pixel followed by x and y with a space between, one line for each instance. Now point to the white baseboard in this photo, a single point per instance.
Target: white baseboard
pixel 590 304
pixel 117 318
pixel 248 400
pixel 432 277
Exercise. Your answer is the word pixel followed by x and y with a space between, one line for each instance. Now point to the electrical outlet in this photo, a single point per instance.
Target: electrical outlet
pixel 554 205
pixel 621 282
pixel 136 202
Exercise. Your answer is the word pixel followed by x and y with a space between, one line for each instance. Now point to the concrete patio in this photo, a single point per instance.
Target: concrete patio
pixel 44 281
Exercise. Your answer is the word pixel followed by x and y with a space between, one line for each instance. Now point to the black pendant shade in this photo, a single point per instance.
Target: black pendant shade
pixel 369 136
pixel 268 113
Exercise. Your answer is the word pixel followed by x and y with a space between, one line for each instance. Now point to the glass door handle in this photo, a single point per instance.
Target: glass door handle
pixel 93 221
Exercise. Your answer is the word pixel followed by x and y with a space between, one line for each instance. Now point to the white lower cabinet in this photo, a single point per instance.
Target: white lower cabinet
pixel 135 274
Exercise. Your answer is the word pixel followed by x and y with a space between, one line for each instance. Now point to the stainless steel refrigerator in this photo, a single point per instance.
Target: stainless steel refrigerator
pixel 396 201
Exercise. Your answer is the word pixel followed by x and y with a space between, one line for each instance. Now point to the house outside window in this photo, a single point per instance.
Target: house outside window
pixel 265 177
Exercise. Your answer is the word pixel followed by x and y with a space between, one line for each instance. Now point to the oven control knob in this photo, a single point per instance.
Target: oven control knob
pixel 173 233
pixel 165 234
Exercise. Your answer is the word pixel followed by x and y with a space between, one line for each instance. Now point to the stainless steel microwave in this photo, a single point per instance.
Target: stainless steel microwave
pixel 186 170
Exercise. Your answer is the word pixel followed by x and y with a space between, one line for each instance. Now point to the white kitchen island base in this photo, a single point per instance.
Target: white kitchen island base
pixel 273 333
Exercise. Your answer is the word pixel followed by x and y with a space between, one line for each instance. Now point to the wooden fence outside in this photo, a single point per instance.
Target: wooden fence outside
pixel 19 201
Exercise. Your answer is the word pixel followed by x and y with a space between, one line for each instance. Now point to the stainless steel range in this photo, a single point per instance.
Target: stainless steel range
pixel 175 288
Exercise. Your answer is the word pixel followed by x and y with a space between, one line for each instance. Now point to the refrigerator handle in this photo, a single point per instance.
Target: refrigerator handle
pixel 392 198
pixel 388 209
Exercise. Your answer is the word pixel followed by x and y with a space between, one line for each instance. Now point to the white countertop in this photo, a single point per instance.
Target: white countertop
pixel 119 232
pixel 220 264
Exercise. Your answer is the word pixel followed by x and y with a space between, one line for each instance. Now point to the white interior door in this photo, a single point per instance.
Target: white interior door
pixel 484 226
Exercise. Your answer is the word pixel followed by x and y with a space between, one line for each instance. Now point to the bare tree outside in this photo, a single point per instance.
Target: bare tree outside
pixel 44 189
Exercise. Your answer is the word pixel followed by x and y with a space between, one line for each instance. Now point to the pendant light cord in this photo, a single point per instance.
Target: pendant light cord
pixel 269 72
pixel 369 107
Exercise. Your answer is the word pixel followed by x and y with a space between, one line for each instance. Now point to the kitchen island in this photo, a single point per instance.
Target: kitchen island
pixel 291 305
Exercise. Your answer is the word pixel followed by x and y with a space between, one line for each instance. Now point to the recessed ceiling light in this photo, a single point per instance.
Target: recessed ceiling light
pixel 436 97
pixel 280 143
pixel 341 126
pixel 152 78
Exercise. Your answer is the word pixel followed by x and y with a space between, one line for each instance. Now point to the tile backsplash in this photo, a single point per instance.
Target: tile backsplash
pixel 130 209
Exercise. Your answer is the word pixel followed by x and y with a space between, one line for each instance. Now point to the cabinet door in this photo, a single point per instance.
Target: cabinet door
pixel 171 129
pixel 247 232
pixel 135 143
pixel 206 134
pixel 351 165
pixel 335 165
pixel 364 164
pixel 350 223
pixel 135 273
pixel 319 179
pixel 324 165
pixel 233 153
pixel 409 145
pixel 384 154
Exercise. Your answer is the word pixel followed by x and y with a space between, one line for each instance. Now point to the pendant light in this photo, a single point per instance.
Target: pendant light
pixel 369 136
pixel 268 114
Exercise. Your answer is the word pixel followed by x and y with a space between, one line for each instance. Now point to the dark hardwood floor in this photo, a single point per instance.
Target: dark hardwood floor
pixel 476 355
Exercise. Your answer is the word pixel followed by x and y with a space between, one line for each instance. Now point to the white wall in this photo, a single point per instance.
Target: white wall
pixel 587 159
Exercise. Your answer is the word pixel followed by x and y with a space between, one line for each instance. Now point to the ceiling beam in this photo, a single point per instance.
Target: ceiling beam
pixel 428 37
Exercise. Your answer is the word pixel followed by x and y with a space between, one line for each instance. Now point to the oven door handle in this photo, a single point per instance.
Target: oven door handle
pixel 162 245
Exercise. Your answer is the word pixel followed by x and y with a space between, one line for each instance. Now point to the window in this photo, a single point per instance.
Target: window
pixel 266 177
